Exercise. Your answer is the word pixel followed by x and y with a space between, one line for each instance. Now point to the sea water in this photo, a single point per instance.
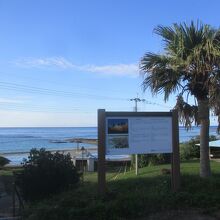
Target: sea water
pixel 15 143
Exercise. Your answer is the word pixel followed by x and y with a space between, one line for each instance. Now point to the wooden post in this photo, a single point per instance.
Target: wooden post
pixel 175 164
pixel 101 152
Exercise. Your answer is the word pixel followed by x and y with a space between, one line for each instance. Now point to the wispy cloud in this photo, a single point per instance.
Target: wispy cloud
pixel 57 62
pixel 119 69
pixel 63 63
pixel 10 101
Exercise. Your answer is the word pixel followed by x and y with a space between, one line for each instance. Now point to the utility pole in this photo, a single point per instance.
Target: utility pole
pixel 136 100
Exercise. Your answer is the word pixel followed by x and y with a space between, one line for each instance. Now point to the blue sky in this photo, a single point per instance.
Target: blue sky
pixel 62 60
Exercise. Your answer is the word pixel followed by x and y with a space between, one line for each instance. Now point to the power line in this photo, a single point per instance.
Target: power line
pixel 73 95
pixel 2 104
pixel 51 81
pixel 136 100
pixel 158 104
pixel 38 90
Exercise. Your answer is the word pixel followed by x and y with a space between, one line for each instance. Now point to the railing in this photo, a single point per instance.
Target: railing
pixel 15 193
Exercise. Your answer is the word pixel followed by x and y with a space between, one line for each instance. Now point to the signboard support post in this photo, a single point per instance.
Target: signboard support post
pixel 136 164
pixel 175 163
pixel 101 152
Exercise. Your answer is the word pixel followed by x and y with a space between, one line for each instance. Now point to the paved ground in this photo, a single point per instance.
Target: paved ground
pixel 6 195
pixel 183 215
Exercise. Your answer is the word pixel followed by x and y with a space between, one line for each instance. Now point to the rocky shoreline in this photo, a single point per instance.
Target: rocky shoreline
pixel 76 140
pixel 82 140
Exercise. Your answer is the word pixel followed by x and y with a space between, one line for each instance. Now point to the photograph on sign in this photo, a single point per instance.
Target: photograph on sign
pixel 117 126
pixel 118 141
pixel 138 135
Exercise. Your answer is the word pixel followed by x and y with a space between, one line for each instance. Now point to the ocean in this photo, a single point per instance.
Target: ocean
pixel 15 143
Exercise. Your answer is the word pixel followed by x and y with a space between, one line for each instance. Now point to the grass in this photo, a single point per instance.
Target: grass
pixel 8 171
pixel 7 178
pixel 132 197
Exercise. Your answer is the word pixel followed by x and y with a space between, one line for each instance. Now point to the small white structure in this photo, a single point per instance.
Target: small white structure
pixel 86 160
pixel 91 164
pixel 213 144
pixel 81 157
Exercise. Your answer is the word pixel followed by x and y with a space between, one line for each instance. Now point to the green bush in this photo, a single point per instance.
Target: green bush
pixel 44 174
pixel 189 149
pixel 151 159
pixel 132 197
pixel 3 161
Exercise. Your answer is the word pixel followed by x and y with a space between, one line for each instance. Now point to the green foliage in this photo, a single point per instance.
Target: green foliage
pixel 132 197
pixel 190 64
pixel 3 161
pixel 189 149
pixel 151 159
pixel 44 174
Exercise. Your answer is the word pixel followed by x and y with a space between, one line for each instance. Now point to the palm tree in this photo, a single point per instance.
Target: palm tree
pixel 189 65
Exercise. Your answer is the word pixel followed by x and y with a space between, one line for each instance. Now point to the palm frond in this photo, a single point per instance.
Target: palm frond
pixel 187 113
pixel 159 74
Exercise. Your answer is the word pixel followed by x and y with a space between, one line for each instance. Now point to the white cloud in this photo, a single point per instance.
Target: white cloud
pixel 10 101
pixel 62 63
pixel 119 69
pixel 57 62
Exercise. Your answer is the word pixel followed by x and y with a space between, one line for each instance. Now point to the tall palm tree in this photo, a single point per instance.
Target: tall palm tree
pixel 189 65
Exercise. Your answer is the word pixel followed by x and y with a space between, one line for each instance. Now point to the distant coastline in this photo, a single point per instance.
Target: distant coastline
pixel 83 140
pixel 15 143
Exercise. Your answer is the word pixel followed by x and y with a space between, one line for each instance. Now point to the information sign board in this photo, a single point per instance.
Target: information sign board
pixel 138 135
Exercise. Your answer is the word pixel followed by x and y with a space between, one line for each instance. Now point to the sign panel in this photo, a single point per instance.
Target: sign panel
pixel 138 135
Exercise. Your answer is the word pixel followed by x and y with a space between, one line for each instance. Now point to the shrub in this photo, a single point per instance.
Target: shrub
pixel 189 149
pixel 45 173
pixel 3 161
pixel 151 159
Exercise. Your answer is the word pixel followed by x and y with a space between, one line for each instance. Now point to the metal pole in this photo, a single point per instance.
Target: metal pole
pixel 82 150
pixel 136 109
pixel 136 100
pixel 82 169
pixel 136 155
pixel 136 164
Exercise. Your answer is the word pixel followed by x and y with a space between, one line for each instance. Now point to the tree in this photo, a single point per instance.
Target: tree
pixel 189 65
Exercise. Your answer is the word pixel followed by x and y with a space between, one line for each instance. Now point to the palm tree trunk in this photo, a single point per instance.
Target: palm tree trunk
pixel 203 107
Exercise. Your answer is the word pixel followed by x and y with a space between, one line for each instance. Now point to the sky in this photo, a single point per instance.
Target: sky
pixel 61 60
